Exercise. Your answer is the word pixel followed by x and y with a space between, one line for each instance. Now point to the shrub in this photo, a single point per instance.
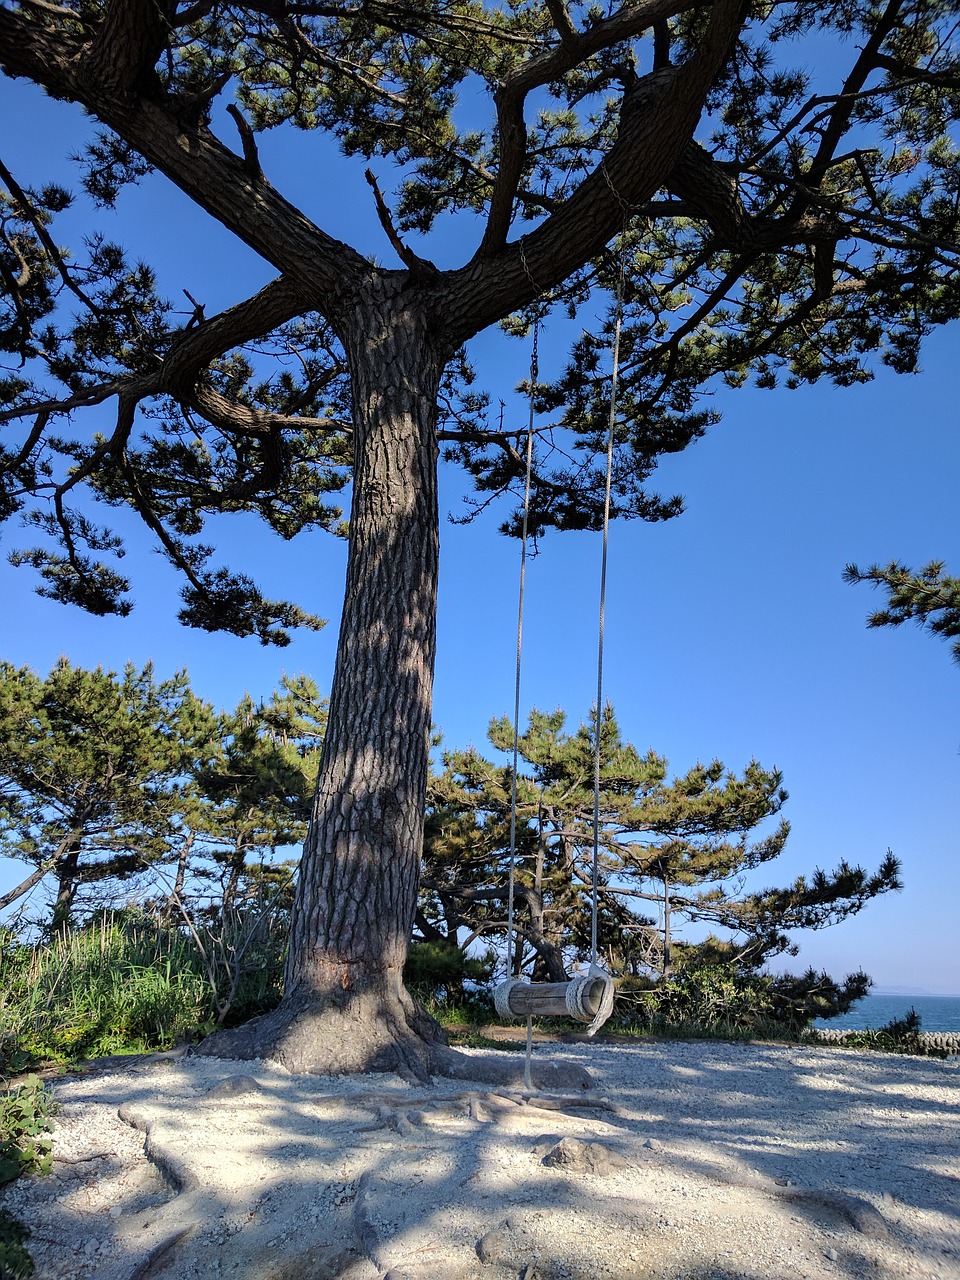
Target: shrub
pixel 724 999
pixel 900 1035
pixel 439 970
pixel 15 1261
pixel 25 1124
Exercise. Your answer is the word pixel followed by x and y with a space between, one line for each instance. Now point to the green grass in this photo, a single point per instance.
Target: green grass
pixel 117 988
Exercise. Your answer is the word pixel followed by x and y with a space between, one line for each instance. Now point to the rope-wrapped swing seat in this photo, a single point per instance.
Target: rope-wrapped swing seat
pixel 585 998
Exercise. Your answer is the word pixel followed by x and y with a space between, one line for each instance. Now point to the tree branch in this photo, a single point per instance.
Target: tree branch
pixel 657 120
pixel 192 158
pixel 419 267
pixel 126 46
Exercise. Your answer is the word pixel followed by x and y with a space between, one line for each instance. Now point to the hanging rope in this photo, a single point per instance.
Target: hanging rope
pixel 595 972
pixel 611 431
pixel 534 373
pixel 502 993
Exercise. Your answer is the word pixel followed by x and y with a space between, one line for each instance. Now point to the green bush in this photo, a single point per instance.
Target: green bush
pixel 438 970
pixel 15 1261
pixel 715 998
pixel 722 999
pixel 25 1124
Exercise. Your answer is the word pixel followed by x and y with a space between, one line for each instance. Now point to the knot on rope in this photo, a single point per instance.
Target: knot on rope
pixel 501 997
pixel 576 994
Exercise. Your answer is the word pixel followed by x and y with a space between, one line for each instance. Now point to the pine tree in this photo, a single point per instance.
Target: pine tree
pixel 928 598
pixel 256 790
pixel 670 851
pixel 774 222
pixel 94 775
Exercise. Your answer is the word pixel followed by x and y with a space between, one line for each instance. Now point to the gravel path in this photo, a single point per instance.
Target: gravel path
pixel 709 1161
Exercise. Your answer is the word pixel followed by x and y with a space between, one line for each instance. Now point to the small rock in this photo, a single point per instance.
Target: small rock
pixel 830 1255
pixel 492 1246
pixel 234 1087
pixel 585 1157
pixel 653 1145
pixel 546 1142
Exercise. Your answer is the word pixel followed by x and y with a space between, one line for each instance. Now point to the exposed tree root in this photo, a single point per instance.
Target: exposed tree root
pixel 376 1031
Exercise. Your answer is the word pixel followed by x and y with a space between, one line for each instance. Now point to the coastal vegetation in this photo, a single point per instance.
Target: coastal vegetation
pixel 157 833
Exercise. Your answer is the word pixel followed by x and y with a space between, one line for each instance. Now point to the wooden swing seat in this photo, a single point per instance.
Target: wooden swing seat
pixel 583 998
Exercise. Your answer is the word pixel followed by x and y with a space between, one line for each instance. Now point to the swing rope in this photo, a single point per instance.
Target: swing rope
pixel 502 994
pixel 577 988
pixel 595 971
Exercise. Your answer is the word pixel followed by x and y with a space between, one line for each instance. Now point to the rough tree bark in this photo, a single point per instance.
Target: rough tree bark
pixel 345 1007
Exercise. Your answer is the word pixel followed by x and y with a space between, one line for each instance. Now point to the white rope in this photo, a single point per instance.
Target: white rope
pixel 501 997
pixel 611 427
pixel 576 994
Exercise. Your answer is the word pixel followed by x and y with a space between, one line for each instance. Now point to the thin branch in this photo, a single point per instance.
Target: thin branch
pixel 251 156
pixel 43 235
pixel 418 266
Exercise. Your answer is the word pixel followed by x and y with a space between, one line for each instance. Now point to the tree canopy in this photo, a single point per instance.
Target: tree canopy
pixel 671 851
pixel 94 772
pixel 124 787
pixel 806 227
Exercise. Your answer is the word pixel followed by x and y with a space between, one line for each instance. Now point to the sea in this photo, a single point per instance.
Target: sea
pixel 937 1013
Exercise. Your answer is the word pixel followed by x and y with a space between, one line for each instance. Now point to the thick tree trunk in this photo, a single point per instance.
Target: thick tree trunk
pixel 345 1007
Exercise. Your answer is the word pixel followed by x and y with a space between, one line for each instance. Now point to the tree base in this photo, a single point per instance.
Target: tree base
pixel 313 1034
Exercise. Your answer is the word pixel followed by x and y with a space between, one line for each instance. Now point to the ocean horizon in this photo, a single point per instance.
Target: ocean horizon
pixel 937 1013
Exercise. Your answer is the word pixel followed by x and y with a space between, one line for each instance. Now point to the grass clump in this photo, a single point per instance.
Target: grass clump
pixel 103 990
pixel 123 986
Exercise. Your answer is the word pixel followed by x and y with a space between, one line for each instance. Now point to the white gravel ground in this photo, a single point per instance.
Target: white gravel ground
pixel 729 1162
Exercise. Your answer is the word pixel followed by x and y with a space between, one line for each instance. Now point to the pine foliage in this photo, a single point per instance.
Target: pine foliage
pixel 802 225
pixel 685 846
pixel 928 597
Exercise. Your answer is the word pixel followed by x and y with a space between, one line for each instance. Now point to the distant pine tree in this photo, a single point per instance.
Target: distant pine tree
pixel 94 774
pixel 672 851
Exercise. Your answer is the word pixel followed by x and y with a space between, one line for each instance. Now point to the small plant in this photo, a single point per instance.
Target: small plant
pixel 900 1035
pixel 15 1261
pixel 25 1125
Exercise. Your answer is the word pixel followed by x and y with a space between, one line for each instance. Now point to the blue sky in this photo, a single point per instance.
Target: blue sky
pixel 729 631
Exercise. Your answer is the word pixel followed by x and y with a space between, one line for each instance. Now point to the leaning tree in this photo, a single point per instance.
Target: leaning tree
pixel 776 180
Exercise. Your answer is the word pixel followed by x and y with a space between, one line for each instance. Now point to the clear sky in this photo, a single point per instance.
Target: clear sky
pixel 729 631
